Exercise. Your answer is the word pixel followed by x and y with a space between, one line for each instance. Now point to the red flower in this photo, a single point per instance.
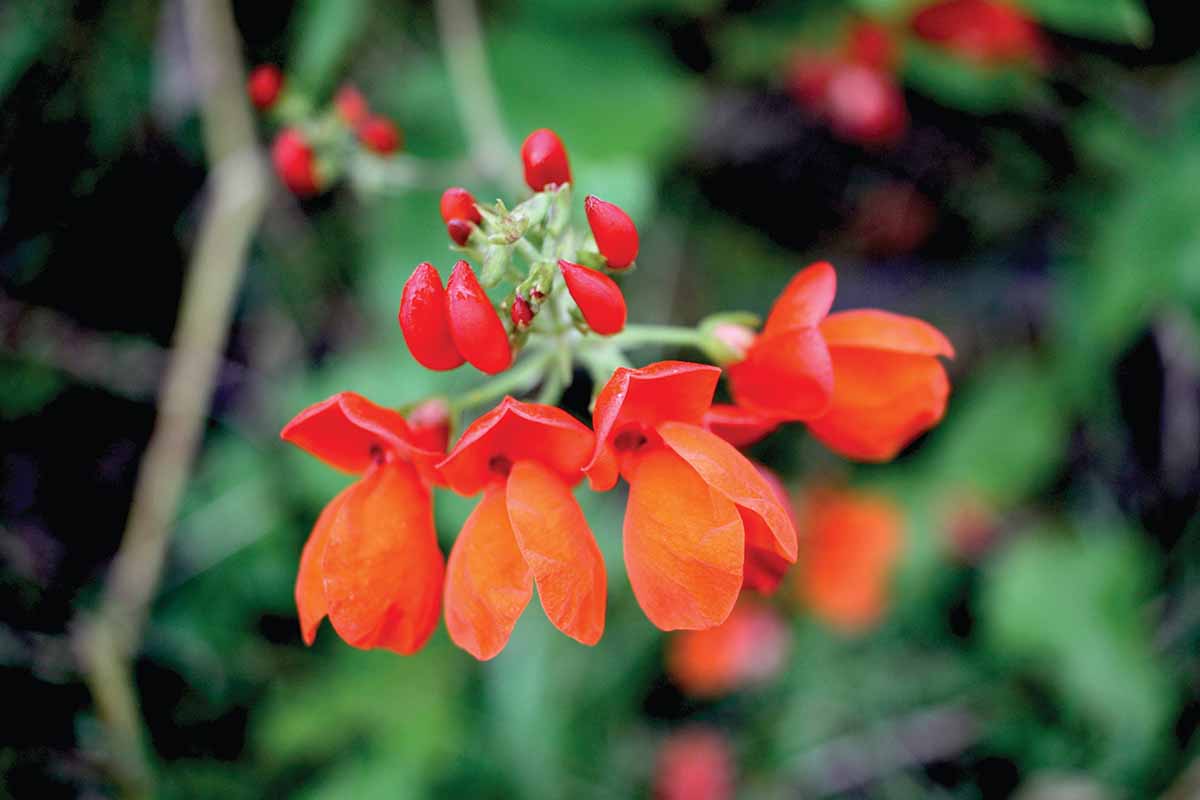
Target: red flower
pixel 264 85
pixel 425 321
pixel 866 382
pixel 380 135
pixel 691 494
pixel 739 426
pixel 850 547
pixel 984 31
pixel 598 297
pixel 295 163
pixel 475 327
pixel 748 648
pixel 616 235
pixel 372 563
pixel 694 764
pixel 351 106
pixel 545 160
pixel 527 529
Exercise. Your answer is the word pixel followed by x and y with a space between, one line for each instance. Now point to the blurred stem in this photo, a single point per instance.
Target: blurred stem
pixel 520 378
pixel 237 193
pixel 474 93
pixel 635 335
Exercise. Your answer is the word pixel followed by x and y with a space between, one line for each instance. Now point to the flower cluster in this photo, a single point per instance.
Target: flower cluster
pixel 311 149
pixel 702 521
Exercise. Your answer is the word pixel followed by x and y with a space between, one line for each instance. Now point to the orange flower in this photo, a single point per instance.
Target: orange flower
pixel 527 529
pixel 866 382
pixel 748 648
pixel 691 494
pixel 372 563
pixel 851 543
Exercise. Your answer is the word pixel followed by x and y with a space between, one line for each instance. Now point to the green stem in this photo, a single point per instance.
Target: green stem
pixel 635 335
pixel 529 251
pixel 516 380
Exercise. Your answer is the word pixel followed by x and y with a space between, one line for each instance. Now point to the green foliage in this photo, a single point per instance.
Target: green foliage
pixel 1116 20
pixel 323 35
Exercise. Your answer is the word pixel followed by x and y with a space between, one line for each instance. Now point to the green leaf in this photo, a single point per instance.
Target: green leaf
pixel 25 30
pixel 1111 20
pixel 961 84
pixel 323 35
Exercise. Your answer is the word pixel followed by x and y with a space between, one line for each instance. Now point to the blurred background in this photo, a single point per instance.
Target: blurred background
pixel 1015 611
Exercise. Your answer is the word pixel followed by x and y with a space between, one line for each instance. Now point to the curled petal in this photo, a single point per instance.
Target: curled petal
pixel 488 583
pixel 382 566
pixel 883 330
pixel 348 432
pixel 310 580
pixel 765 565
pixel 805 301
pixel 731 473
pixel 739 426
pixel 512 432
pixel 604 471
pixel 557 544
pixel 881 401
pixel 666 390
pixel 684 544
pixel 787 375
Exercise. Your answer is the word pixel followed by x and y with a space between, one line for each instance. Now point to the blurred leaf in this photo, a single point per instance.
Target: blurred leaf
pixel 26 27
pixel 1073 609
pixel 960 84
pixel 617 9
pixel 323 34
pixel 25 387
pixel 761 44
pixel 1115 20
pixel 118 75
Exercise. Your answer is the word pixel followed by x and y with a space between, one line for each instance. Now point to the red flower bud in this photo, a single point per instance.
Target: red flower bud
pixel 294 162
pixel 598 297
pixel 866 106
pixel 459 230
pixel 477 331
pixel 264 85
pixel 872 45
pixel 429 423
pixel 458 203
pixel 545 160
pixel 521 312
pixel 380 135
pixel 424 321
pixel 616 235
pixel 351 106
pixel 983 31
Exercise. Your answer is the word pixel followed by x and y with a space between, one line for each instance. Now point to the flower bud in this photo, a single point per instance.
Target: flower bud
pixel 866 106
pixel 458 203
pixel 351 106
pixel 459 230
pixel 264 85
pixel 545 160
pixel 872 45
pixel 380 135
pixel 738 338
pixel 424 320
pixel 521 312
pixel 430 424
pixel 295 163
pixel 477 331
pixel 616 235
pixel 598 297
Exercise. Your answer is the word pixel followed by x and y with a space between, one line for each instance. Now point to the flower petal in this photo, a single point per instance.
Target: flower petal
pixel 731 473
pixel 881 401
pixel 514 431
pixel 382 566
pixel 883 330
pixel 488 583
pixel 787 375
pixel 557 544
pixel 346 429
pixel 765 566
pixel 666 390
pixel 805 300
pixel 739 426
pixel 684 544
pixel 310 582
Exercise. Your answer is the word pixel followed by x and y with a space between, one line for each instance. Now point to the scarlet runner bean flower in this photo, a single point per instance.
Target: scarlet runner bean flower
pixel 372 563
pixel 264 85
pixel 748 648
pixel 527 529
pixel 545 160
pixel 598 297
pixel 295 162
pixel 616 235
pixel 867 382
pixel 850 546
pixel 692 495
pixel 425 320
pixel 475 327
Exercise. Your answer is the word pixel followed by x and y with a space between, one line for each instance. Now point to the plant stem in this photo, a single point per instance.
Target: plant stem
pixel 636 335
pixel 518 379
pixel 237 194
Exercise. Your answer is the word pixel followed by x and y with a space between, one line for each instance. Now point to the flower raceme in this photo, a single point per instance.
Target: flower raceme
pixel 372 563
pixel 866 382
pixel 527 529
pixel 693 497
